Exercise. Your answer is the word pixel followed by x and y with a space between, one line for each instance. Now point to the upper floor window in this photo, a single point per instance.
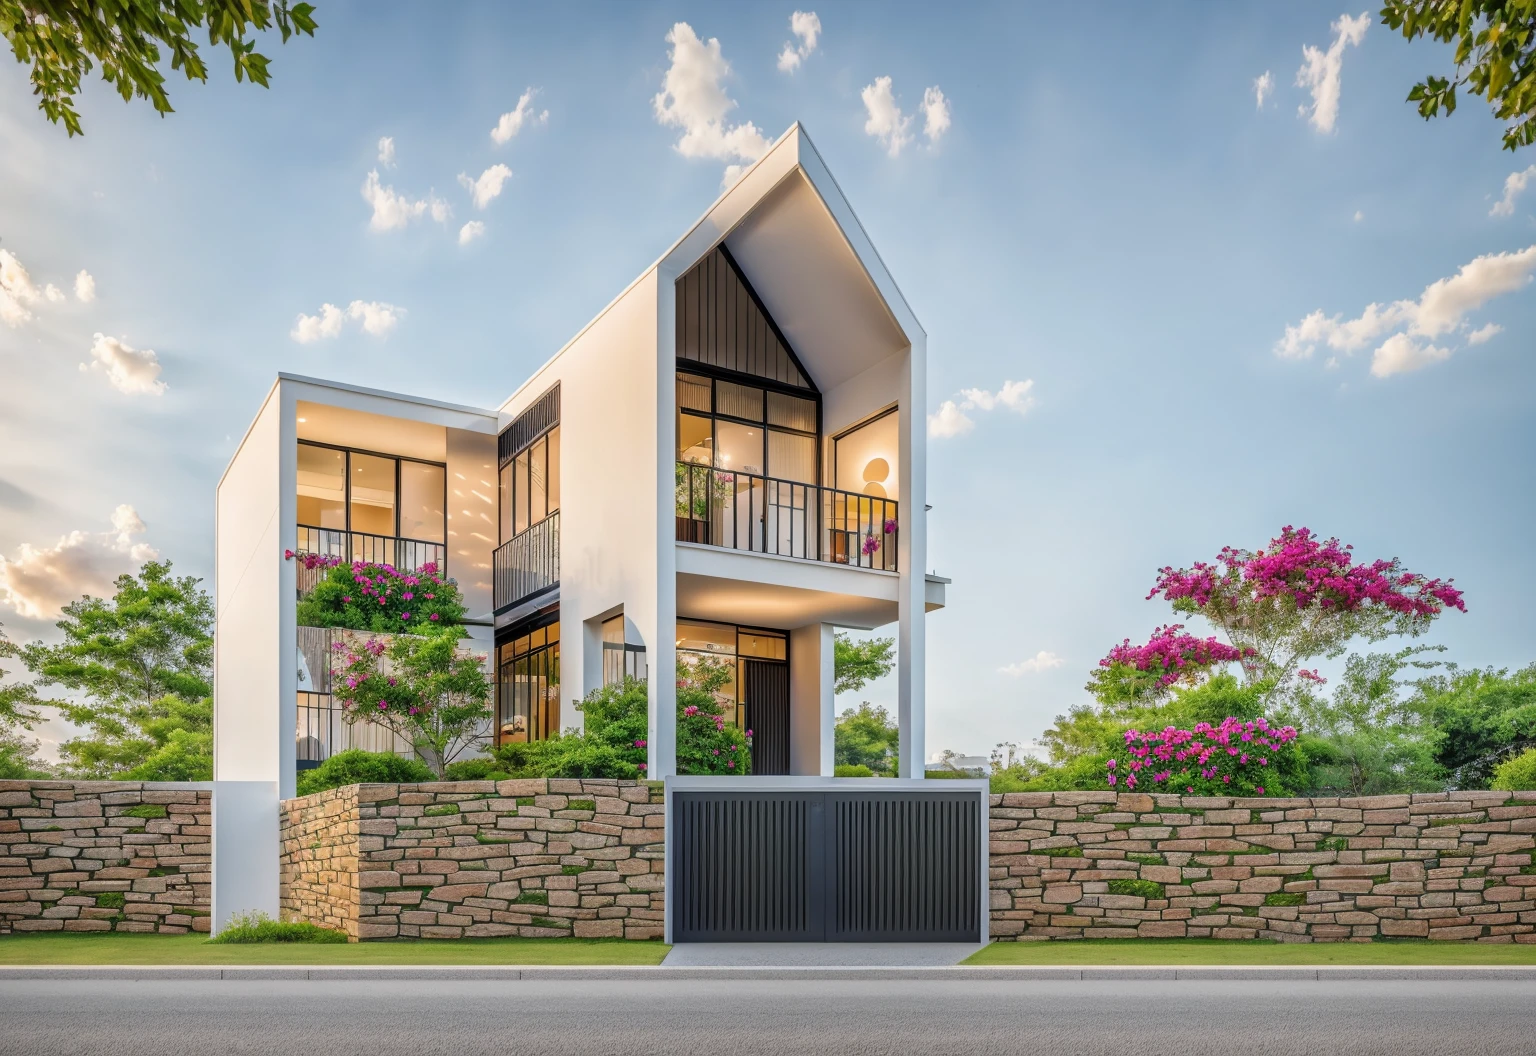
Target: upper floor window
pixel 747 428
pixel 360 491
pixel 530 485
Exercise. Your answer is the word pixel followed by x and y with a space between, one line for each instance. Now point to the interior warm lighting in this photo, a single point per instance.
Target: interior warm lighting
pixel 303 419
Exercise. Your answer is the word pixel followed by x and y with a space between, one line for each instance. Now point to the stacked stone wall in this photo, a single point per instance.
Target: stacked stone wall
pixel 1445 865
pixel 471 859
pixel 104 856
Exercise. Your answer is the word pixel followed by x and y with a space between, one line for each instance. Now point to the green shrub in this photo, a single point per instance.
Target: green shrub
pixel 852 770
pixel 258 927
pixel 1139 888
pixel 147 810
pixel 111 900
pixel 1516 774
pixel 341 600
pixel 950 775
pixel 357 767
pixel 1285 898
pixel 476 770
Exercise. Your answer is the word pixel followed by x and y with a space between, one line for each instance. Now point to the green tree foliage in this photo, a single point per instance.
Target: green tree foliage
pixel 18 757
pixel 1495 56
pixel 143 665
pixel 62 40
pixel 1483 717
pixel 1517 773
pixel 18 700
pixel 355 767
pixel 854 664
pixel 866 736
pixel 1372 762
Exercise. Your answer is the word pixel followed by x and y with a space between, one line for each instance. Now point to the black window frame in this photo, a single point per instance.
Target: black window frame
pixel 714 375
pixel 346 471
pixel 736 656
pixel 507 639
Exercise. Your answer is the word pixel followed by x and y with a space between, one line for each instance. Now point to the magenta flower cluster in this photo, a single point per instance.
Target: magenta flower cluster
pixel 1231 759
pixel 365 595
pixel 1173 654
pixel 1307 571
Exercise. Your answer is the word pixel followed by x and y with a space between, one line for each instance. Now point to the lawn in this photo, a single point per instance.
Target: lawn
pixel 195 949
pixel 1250 952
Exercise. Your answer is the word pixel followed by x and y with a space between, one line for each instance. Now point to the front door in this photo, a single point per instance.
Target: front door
pixel 765 692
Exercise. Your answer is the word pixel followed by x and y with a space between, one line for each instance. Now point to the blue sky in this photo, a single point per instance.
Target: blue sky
pixel 1108 216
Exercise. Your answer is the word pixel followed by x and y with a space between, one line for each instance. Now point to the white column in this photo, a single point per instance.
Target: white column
pixel 811 704
pixel 661 612
pixel 246 849
pixel 912 553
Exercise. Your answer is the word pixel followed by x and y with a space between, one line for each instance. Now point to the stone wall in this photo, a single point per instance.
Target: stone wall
pixel 1444 865
pixel 470 859
pixel 104 856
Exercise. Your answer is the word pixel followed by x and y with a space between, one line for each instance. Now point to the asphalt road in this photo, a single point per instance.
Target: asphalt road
pixel 705 1018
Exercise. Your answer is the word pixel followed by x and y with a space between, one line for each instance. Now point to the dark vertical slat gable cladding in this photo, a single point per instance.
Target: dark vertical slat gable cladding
pixel 723 324
pixel 540 417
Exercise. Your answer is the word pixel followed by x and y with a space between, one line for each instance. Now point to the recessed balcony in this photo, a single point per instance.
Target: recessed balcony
pixel 402 553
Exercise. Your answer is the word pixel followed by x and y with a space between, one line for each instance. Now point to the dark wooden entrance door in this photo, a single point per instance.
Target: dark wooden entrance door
pixel 765 688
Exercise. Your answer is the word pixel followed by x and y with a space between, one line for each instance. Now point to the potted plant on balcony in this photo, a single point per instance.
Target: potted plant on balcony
pixel 702 490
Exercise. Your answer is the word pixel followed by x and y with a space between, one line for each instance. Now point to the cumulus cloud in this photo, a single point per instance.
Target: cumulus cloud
pixel 693 98
pixel 1321 71
pixel 1263 87
pixel 470 231
pixel 1514 184
pixel 130 370
pixel 935 114
pixel 36 582
pixel 487 185
pixel 17 290
pixel 1484 333
pixel 392 210
pixel 1041 661
pixel 387 152
pixel 53 293
pixel 807 28
pixel 519 117
pixel 884 119
pixel 951 418
pixel 376 317
pixel 1440 310
pixel 85 286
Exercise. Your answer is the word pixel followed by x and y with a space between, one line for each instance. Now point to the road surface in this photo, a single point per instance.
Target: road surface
pixel 706 1018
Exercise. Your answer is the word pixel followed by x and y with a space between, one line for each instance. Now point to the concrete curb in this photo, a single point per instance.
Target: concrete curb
pixel 955 973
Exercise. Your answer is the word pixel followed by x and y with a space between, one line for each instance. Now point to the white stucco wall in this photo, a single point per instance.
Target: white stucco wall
pixel 812 709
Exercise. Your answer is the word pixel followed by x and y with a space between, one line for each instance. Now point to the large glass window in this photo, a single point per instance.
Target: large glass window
pixel 340 490
pixel 528 686
pixel 422 491
pixel 747 429
pixel 621 660
pixel 372 498
pixel 322 487
pixel 530 485
pixel 702 640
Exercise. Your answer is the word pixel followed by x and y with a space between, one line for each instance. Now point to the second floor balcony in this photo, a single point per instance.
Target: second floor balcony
pixel 744 511
pixel 528 564
pixel 400 552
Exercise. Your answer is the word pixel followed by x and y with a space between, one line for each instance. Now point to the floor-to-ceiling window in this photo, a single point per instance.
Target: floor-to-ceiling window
pixel 530 485
pixel 342 490
pixel 621 658
pixel 699 639
pixel 528 685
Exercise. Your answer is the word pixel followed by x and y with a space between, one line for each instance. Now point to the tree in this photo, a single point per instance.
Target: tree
pixel 855 664
pixel 866 736
pixel 18 757
pixel 144 664
pixel 1495 57
pixel 63 39
pixel 1483 717
pixel 18 700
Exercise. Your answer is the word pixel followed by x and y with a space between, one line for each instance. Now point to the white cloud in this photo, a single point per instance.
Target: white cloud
pixel 130 370
pixel 949 421
pixel 37 582
pixel 951 418
pixel 515 120
pixel 470 231
pixel 1041 661
pixel 53 293
pixel 935 114
pixel 16 290
pixel 1441 309
pixel 487 186
pixel 806 26
pixel 1263 86
pixel 387 152
pixel 1321 71
pixel 885 120
pixel 85 286
pixel 1514 184
pixel 392 210
pixel 693 99
pixel 1359 216
pixel 1484 333
pixel 377 318
pixel 1400 354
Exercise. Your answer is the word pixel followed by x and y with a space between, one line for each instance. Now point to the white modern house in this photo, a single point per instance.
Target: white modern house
pixel 728 461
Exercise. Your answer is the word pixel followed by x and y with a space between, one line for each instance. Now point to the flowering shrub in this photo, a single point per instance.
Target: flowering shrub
pixel 425 689
pixel 707 742
pixel 364 596
pixel 1236 758
pixel 1171 656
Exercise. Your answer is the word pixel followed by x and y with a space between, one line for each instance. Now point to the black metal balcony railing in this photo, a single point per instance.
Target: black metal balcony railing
pixel 527 564
pixel 743 511
pixel 406 554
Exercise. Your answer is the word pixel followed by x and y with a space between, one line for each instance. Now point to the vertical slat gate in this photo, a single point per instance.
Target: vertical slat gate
pixel 823 866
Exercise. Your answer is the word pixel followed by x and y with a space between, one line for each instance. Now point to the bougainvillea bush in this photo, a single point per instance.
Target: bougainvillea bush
pixel 1234 758
pixel 1170 657
pixel 708 742
pixel 364 596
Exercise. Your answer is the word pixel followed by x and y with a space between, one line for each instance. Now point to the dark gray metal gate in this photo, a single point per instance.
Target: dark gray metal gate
pixel 765 688
pixel 822 865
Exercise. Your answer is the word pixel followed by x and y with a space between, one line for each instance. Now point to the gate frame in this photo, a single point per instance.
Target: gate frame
pixel 980 786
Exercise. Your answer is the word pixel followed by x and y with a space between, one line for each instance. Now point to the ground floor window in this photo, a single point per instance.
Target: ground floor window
pixel 621 659
pixel 739 646
pixel 528 685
